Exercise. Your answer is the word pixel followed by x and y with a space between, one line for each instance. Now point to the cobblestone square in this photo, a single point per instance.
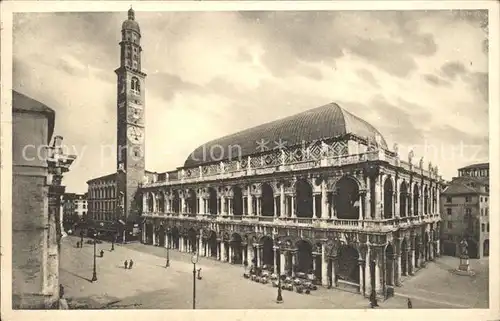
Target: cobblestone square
pixel 149 285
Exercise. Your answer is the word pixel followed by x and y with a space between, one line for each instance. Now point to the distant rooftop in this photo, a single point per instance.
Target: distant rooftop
pixel 477 166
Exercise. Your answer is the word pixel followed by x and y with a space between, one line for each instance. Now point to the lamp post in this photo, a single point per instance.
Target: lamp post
pixel 113 242
pixel 81 238
pixel 94 273
pixel 194 260
pixel 167 264
pixel 279 298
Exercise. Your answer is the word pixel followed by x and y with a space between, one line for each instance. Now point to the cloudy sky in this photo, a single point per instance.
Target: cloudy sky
pixel 421 78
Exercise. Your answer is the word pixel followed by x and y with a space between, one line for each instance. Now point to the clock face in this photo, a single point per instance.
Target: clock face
pixel 135 135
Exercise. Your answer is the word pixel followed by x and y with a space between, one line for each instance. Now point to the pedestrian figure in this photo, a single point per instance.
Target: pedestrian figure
pixel 61 291
pixel 409 304
pixel 130 264
pixel 199 274
pixel 77 244
pixel 373 300
pixel 102 253
pixel 125 264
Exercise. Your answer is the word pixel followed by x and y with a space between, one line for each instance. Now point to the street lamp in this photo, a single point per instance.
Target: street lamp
pixel 113 242
pixel 279 298
pixel 81 238
pixel 194 260
pixel 94 274
pixel 168 257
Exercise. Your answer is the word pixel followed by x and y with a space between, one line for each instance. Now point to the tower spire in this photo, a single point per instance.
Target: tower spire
pixel 131 13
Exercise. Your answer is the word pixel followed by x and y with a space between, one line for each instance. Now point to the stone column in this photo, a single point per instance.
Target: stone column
pixel 360 208
pixel 334 273
pixel 294 214
pixel 282 262
pixel 154 234
pixel 397 270
pixel 144 233
pixel 282 201
pixel 223 251
pixel 378 263
pixel 368 276
pixel 250 203
pixel 411 260
pixel 230 254
pixel 333 205
pixel 377 197
pixel 200 244
pixel 257 249
pixel 324 266
pixel 368 197
pixel 251 254
pixel 324 201
pixel 314 205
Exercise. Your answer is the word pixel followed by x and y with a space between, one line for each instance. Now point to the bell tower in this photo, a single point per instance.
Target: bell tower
pixel 130 122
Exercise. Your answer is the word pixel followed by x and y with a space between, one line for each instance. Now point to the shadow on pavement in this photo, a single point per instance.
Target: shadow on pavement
pixel 78 276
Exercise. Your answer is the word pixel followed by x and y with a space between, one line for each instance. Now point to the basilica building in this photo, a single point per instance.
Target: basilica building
pixel 318 192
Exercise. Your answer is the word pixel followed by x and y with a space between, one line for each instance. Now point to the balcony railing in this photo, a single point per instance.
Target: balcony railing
pixel 180 176
pixel 349 224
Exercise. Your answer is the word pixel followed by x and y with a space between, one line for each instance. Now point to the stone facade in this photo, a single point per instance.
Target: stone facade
pixel 36 205
pixel 362 221
pixel 465 212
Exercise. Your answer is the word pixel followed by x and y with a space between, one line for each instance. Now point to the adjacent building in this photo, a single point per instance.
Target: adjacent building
pixel 74 209
pixel 465 212
pixel 36 204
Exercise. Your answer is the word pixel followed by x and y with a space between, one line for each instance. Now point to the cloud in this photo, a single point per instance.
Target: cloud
pixel 453 69
pixel 291 37
pixel 368 77
pixel 435 80
pixel 166 85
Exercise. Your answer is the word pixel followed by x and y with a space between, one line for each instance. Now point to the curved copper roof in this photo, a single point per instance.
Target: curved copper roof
pixel 323 122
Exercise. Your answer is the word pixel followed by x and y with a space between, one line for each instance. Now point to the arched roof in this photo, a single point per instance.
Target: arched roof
pixel 323 122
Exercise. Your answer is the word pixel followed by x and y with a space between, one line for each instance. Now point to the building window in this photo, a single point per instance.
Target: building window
pixel 487 189
pixel 448 211
pixel 448 199
pixel 468 211
pixel 136 86
pixel 482 211
pixel 483 227
pixel 481 198
pixel 486 212
pixel 486 199
pixel 467 199
pixel 488 227
pixel 449 225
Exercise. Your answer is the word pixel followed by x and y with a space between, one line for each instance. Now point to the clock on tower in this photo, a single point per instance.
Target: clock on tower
pixel 130 126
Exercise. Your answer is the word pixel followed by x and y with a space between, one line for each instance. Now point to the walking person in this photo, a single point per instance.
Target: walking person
pixel 61 291
pixel 410 306
pixel 373 300
pixel 131 264
pixel 102 253
pixel 125 264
